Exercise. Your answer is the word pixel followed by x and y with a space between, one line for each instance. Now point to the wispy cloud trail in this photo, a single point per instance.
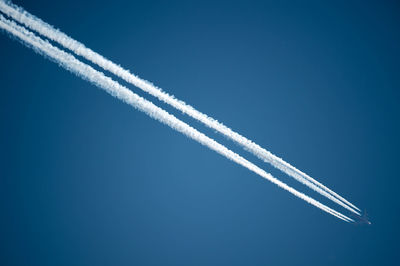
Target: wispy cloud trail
pixel 53 34
pixel 97 78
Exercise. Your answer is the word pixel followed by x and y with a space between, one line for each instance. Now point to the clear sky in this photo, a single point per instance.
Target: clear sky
pixel 87 180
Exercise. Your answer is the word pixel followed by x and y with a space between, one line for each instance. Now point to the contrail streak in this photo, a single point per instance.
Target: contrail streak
pixel 97 78
pixel 78 48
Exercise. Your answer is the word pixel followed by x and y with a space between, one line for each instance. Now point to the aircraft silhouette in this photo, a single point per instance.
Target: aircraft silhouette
pixel 362 219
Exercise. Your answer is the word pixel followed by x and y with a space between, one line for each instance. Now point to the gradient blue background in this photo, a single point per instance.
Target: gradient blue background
pixel 87 180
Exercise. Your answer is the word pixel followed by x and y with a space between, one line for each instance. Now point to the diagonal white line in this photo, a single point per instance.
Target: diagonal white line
pixel 97 78
pixel 48 31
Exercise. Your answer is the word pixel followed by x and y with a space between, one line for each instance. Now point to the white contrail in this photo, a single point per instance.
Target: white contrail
pixel 97 78
pixel 48 31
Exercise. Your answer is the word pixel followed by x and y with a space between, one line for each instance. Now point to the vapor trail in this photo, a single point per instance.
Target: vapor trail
pixel 97 78
pixel 53 34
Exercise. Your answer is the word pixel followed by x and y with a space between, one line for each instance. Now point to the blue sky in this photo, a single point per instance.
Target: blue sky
pixel 86 179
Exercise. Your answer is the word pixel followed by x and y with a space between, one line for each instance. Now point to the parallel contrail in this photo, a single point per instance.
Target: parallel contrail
pixel 48 31
pixel 97 78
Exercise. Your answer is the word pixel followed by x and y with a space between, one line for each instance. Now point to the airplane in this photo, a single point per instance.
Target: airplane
pixel 362 219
